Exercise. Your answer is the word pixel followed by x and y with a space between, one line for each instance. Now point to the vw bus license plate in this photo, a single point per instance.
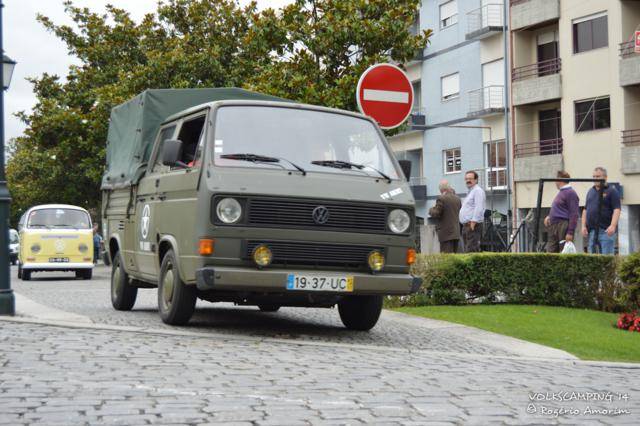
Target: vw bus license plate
pixel 319 283
pixel 58 259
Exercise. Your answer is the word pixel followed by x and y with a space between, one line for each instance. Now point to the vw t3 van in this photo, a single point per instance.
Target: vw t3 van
pixel 55 237
pixel 227 195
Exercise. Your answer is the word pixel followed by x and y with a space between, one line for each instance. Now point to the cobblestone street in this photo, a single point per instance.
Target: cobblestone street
pixel 297 366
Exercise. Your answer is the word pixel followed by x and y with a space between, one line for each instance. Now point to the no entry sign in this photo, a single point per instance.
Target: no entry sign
pixel 637 43
pixel 385 94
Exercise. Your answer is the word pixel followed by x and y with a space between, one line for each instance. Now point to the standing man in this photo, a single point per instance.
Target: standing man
pixel 447 211
pixel 97 241
pixel 472 213
pixel 600 216
pixel 563 218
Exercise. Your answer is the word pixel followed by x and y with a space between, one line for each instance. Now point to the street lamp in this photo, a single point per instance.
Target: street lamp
pixel 7 300
pixel 8 65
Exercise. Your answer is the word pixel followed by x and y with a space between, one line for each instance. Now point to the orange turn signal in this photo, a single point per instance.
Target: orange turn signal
pixel 205 248
pixel 411 256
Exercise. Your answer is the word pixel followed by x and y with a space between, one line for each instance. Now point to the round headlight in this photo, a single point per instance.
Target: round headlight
pixel 262 255
pixel 83 248
pixel 376 261
pixel 229 210
pixel 399 221
pixel 35 248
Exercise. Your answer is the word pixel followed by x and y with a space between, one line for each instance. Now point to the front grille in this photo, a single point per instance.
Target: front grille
pixel 287 213
pixel 318 254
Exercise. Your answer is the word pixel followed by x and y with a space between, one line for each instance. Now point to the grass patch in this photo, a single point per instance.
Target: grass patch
pixel 587 334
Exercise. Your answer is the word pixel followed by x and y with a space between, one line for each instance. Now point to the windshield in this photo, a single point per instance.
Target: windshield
pixel 301 137
pixel 13 237
pixel 59 218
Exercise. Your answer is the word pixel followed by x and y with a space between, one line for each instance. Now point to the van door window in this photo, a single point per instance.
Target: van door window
pixel 191 135
pixel 165 134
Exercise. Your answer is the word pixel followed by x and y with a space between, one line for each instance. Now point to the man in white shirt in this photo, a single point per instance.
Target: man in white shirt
pixel 472 213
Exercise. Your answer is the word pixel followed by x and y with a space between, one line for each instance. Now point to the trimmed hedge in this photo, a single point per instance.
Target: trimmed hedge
pixel 629 274
pixel 579 281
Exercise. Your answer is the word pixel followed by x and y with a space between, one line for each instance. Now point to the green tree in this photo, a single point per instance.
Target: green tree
pixel 310 51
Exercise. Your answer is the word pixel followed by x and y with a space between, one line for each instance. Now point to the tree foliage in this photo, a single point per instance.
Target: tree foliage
pixel 312 51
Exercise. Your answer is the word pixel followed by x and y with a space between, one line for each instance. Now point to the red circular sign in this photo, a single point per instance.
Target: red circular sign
pixel 385 94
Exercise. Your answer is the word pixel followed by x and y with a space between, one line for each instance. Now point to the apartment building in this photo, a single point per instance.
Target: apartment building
pixel 575 83
pixel 459 114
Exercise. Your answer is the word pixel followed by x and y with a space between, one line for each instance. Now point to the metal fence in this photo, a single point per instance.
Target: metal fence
pixel 544 147
pixel 539 69
pixel 487 16
pixel 486 98
pixel 627 49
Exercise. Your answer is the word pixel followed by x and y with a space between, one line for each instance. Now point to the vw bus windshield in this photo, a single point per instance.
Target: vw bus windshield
pixel 59 219
pixel 316 141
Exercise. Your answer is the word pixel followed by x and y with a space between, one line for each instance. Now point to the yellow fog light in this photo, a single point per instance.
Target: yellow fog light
pixel 262 255
pixel 376 261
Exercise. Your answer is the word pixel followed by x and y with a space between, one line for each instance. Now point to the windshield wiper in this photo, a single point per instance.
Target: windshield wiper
pixel 39 225
pixel 255 158
pixel 338 164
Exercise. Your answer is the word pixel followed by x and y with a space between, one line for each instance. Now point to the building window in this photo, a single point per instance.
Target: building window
pixel 593 114
pixel 450 86
pixel 417 96
pixel 452 161
pixel 495 160
pixel 448 13
pixel 590 32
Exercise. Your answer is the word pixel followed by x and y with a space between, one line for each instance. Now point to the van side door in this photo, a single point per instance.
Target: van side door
pixel 143 234
pixel 177 193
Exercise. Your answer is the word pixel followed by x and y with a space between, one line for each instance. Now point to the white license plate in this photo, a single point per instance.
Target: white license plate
pixel 58 259
pixel 319 283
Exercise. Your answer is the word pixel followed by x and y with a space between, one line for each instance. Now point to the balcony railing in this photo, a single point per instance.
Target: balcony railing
pixel 487 17
pixel 627 49
pixel 418 187
pixel 539 69
pixel 486 99
pixel 544 147
pixel 631 137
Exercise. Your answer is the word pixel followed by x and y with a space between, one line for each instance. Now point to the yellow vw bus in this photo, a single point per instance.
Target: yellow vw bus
pixel 55 237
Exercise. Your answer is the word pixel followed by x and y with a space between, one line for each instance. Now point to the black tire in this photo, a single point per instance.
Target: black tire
pixel 268 308
pixel 105 258
pixel 85 274
pixel 123 295
pixel 26 275
pixel 176 301
pixel 360 312
pixel 19 271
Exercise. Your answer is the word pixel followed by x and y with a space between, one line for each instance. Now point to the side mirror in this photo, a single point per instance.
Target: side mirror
pixel 405 165
pixel 171 152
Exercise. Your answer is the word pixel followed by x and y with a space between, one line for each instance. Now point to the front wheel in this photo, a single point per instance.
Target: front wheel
pixel 268 308
pixel 85 274
pixel 360 312
pixel 123 295
pixel 19 271
pixel 26 275
pixel 176 301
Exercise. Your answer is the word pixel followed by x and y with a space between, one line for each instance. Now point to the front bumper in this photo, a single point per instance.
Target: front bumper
pixel 274 281
pixel 56 266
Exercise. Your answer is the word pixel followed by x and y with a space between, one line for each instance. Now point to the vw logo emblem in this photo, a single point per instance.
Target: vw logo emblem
pixel 320 215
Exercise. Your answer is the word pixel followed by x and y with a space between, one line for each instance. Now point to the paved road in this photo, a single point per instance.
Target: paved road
pixel 316 373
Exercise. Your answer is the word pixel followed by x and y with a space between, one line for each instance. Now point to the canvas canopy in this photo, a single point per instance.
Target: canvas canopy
pixel 134 124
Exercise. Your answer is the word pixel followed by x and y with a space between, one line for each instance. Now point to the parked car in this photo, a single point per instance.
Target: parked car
pixel 14 246
pixel 55 237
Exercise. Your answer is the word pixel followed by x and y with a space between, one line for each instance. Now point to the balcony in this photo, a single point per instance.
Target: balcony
pixel 486 101
pixel 629 65
pixel 630 151
pixel 536 83
pixel 533 13
pixel 418 188
pixel 535 160
pixel 485 22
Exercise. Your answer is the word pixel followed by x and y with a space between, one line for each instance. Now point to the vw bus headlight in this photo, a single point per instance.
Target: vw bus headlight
pixel 229 210
pixel 35 248
pixel 399 221
pixel 83 248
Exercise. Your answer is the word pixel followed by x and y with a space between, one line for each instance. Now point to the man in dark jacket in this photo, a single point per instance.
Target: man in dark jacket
pixel 563 218
pixel 446 210
pixel 601 215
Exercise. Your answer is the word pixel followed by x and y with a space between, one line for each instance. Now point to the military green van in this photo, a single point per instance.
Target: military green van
pixel 227 195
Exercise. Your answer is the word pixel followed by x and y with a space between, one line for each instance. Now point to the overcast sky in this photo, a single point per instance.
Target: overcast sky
pixel 36 51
